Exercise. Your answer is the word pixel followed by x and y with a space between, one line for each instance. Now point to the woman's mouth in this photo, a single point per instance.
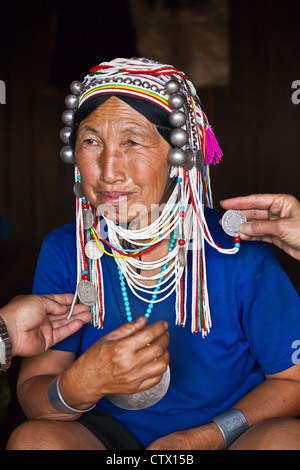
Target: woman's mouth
pixel 114 197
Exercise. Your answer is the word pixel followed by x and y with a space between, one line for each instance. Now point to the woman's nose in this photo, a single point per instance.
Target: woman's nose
pixel 112 165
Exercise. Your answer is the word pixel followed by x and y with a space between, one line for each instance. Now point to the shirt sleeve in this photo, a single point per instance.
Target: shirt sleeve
pixel 271 314
pixel 56 274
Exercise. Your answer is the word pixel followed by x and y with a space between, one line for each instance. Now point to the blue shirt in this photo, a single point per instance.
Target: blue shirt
pixel 255 319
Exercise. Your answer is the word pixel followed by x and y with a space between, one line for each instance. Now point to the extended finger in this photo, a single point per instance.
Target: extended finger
pixel 155 350
pixel 59 321
pixel 127 330
pixel 148 335
pixel 62 332
pixel 152 373
pixel 53 304
pixel 253 201
pixel 62 299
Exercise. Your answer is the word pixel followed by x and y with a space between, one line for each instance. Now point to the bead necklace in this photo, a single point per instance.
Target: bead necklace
pixel 156 289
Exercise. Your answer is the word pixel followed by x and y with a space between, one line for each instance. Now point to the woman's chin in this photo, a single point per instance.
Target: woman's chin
pixel 124 215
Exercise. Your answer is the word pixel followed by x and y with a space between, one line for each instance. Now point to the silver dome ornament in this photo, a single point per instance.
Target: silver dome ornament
pixel 172 86
pixel 176 101
pixel 177 118
pixel 76 87
pixel 65 135
pixel 142 400
pixel 177 157
pixel 68 117
pixel 67 154
pixel 71 102
pixel 190 160
pixel 179 137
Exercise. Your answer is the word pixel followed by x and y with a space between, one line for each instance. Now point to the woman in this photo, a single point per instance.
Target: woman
pixel 140 376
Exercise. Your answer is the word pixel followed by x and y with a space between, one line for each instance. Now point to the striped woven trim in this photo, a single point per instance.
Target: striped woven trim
pixel 120 88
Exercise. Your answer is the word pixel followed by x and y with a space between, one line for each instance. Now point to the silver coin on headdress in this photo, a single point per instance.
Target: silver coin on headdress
pixel 92 250
pixel 87 219
pixel 87 293
pixel 78 189
pixel 141 400
pixel 200 161
pixel 231 221
pixel 190 160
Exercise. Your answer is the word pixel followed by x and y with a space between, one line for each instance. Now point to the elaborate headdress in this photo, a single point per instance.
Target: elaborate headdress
pixel 194 148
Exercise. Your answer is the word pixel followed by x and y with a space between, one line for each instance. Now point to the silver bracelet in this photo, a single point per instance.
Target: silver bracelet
pixel 57 400
pixel 232 423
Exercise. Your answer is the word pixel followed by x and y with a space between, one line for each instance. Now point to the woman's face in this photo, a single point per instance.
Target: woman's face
pixel 122 160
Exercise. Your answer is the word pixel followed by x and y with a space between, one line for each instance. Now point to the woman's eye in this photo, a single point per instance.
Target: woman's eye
pixel 132 143
pixel 89 141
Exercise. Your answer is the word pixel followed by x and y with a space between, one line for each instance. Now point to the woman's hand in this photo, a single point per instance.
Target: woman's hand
pixel 130 359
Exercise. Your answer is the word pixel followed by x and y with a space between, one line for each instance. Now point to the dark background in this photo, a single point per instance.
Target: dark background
pixel 45 45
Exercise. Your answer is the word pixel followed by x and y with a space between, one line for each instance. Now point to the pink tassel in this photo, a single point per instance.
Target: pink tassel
pixel 213 153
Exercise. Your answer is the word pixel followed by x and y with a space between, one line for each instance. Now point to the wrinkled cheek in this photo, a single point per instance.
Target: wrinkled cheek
pixel 89 192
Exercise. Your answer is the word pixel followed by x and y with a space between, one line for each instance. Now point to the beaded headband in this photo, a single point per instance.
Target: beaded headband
pixel 194 149
pixel 163 85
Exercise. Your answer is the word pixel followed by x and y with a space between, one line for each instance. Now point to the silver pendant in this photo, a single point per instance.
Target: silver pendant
pixel 92 250
pixel 190 160
pixel 200 161
pixel 141 400
pixel 87 293
pixel 182 256
pixel 231 221
pixel 87 219
pixel 78 189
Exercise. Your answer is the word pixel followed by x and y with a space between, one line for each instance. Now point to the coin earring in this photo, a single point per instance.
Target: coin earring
pixel 231 222
pixel 89 268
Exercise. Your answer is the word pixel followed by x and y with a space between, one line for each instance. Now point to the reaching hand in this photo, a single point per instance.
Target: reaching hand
pixel 273 218
pixel 36 322
pixel 130 359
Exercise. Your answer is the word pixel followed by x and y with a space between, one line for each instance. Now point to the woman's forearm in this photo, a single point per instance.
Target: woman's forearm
pixel 33 397
pixel 273 398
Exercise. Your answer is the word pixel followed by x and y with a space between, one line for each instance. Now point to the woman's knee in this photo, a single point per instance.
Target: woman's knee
pixel 29 435
pixel 271 434
pixel 52 435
